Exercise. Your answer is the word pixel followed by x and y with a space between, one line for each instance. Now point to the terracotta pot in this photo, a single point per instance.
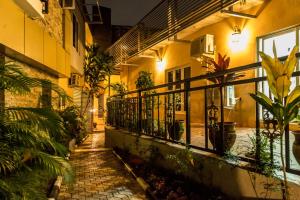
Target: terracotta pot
pixel 296 146
pixel 229 135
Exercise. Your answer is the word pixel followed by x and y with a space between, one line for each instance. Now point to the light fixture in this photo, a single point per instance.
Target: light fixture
pixel 160 65
pixel 236 35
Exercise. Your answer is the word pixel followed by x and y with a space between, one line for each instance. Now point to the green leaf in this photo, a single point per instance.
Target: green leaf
pixel 264 102
pixel 290 63
pixel 293 95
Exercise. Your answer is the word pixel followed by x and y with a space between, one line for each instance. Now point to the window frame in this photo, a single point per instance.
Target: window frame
pixel 174 87
pixel 75 32
pixel 260 47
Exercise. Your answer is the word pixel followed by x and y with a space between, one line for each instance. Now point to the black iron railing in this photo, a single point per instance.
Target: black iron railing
pixel 165 20
pixel 166 114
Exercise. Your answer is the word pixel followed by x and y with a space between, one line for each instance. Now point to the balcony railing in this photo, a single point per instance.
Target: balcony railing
pixel 162 113
pixel 165 20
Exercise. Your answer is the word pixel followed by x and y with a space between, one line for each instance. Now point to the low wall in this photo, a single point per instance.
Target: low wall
pixel 233 180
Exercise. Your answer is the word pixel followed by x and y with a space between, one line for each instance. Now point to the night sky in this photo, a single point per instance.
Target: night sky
pixel 128 12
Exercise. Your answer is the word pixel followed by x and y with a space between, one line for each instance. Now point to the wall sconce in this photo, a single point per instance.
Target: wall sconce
pixel 236 35
pixel 239 39
pixel 45 9
pixel 160 65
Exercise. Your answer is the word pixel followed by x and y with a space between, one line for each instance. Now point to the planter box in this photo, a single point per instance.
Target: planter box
pixel 234 181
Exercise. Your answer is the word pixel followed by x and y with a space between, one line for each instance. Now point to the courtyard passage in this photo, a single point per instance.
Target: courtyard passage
pixel 99 174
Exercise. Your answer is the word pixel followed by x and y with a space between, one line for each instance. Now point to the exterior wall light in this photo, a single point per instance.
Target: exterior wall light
pixel 160 65
pixel 239 39
pixel 236 35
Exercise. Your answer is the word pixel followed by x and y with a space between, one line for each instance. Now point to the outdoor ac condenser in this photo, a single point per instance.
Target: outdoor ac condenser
pixel 202 45
pixel 33 8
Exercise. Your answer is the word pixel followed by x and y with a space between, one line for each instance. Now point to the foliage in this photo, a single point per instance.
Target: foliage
pixel 119 88
pixel 74 123
pixel 144 81
pixel 185 161
pixel 285 105
pixel 97 67
pixel 222 65
pixel 265 165
pixel 28 150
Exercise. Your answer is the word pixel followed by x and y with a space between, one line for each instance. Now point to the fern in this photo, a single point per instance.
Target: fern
pixel 29 153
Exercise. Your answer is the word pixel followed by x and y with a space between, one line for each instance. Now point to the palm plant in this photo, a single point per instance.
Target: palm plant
pixel 29 153
pixel 285 104
pixel 98 66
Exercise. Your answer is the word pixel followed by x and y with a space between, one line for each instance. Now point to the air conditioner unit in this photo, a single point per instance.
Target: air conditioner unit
pixel 33 8
pixel 202 46
pixel 68 4
pixel 74 80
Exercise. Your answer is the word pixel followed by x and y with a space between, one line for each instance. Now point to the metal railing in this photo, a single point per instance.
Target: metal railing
pixel 158 113
pixel 165 20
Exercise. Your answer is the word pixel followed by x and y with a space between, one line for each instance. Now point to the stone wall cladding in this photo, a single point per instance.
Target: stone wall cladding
pixel 31 99
pixel 53 21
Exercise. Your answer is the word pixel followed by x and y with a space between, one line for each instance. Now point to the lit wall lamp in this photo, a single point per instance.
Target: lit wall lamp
pixel 236 35
pixel 239 39
pixel 45 8
pixel 160 63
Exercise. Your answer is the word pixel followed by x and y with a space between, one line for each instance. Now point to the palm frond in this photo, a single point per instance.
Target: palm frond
pixel 26 184
pixel 55 165
pixel 44 118
pixel 8 159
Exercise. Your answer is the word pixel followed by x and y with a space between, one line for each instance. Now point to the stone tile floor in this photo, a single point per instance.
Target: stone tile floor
pixel 99 175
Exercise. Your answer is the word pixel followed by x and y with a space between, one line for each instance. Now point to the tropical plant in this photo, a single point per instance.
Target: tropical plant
pixel 285 104
pixel 144 81
pixel 98 66
pixel 120 88
pixel 221 66
pixel 74 123
pixel 28 150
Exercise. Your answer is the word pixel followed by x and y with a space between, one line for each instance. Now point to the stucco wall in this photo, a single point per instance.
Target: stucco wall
pixel 234 181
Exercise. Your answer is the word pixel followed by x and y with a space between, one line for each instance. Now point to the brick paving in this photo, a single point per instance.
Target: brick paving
pixel 99 175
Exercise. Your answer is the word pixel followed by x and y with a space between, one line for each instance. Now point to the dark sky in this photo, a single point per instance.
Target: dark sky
pixel 128 12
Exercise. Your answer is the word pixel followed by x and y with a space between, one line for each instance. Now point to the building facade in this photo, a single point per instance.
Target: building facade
pixel 46 38
pixel 257 22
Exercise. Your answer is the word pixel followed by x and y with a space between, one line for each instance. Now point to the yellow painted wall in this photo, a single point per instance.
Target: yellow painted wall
pixel 28 37
pixel 277 15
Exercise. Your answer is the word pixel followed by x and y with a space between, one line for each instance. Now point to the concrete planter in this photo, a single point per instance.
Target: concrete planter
pixel 233 180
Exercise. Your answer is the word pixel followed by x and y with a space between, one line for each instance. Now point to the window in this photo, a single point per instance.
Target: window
pixel 230 96
pixel 75 32
pixel 285 41
pixel 174 75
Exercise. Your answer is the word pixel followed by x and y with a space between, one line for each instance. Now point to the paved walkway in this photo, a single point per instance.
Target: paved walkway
pixel 99 175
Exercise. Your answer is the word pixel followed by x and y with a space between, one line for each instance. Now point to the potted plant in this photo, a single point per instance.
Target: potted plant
pixel 144 81
pixel 119 88
pixel 284 106
pixel 215 126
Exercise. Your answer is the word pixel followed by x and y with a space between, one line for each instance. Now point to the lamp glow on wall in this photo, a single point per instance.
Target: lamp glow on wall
pixel 238 39
pixel 160 62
